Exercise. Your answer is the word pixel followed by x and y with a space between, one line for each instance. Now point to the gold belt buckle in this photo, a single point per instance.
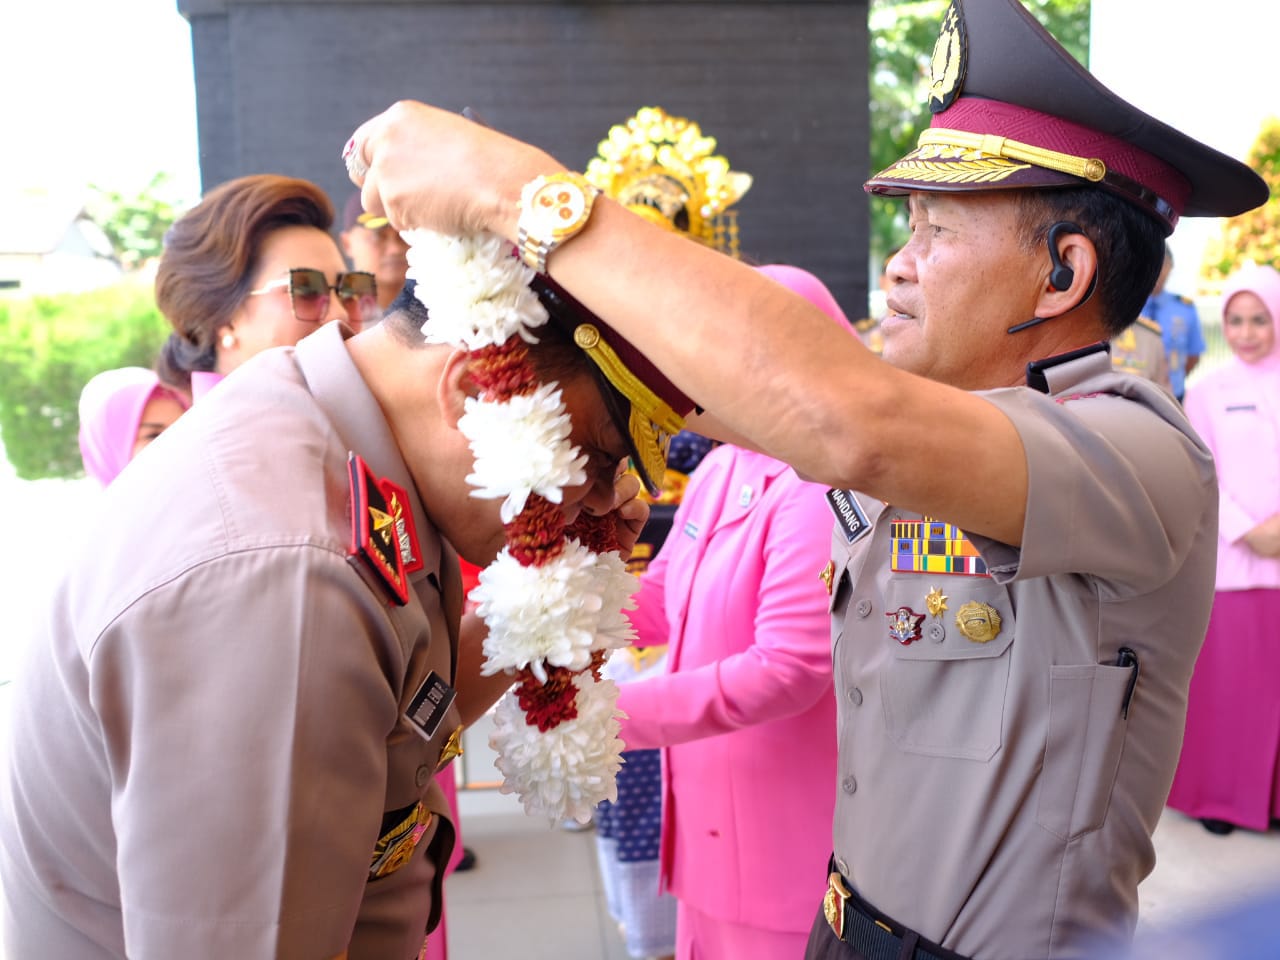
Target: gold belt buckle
pixel 833 904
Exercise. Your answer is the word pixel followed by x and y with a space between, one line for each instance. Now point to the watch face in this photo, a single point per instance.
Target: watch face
pixel 558 205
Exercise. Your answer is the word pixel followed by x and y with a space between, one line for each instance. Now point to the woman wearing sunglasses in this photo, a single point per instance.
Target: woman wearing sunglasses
pixel 252 266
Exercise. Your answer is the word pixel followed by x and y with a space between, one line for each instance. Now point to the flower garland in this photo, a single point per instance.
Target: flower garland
pixel 553 600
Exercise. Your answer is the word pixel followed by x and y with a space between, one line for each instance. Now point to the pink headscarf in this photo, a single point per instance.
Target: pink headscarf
pixel 1264 283
pixel 111 406
pixel 808 286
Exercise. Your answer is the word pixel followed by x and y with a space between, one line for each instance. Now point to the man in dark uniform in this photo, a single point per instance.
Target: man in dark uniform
pixel 1021 583
pixel 1179 323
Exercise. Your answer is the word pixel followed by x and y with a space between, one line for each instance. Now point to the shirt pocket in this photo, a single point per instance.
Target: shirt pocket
pixel 944 693
pixel 1082 746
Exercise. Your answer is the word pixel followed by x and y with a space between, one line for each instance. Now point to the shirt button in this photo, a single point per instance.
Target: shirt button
pixel 937 632
pixel 849 785
pixel 855 696
pixel 422 775
pixel 863 608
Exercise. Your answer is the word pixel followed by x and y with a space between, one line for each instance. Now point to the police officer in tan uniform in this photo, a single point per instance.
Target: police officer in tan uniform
pixel 225 739
pixel 1021 581
pixel 1139 349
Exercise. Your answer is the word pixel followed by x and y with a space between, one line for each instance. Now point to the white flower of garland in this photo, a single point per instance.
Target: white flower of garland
pixel 553 615
pixel 569 769
pixel 557 614
pixel 476 293
pixel 522 447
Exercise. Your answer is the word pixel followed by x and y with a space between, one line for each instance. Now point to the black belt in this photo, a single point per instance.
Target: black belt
pixel 870 932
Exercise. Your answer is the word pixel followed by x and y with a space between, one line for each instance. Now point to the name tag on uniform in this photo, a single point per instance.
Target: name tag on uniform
pixel 429 705
pixel 850 517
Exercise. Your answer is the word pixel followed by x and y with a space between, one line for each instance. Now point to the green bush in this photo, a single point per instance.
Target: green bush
pixel 50 346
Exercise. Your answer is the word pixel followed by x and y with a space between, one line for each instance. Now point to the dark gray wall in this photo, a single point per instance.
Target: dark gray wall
pixel 280 84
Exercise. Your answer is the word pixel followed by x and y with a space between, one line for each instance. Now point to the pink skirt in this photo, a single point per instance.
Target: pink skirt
pixel 1231 749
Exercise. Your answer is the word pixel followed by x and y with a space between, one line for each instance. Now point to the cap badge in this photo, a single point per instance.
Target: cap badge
pixel 936 602
pixel 978 621
pixel 904 625
pixel 950 56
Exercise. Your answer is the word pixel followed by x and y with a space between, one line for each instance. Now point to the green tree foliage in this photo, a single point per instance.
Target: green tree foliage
pixel 136 225
pixel 1253 236
pixel 902 37
pixel 49 349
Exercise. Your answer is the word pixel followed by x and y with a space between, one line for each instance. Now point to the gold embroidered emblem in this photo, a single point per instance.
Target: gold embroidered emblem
pixel 980 622
pixel 947 67
pixel 395 847
pixel 936 602
pixel 919 166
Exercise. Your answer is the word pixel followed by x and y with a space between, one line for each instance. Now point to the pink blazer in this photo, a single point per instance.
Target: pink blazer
pixel 745 714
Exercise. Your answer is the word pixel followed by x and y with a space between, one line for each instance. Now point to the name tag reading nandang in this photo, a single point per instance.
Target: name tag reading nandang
pixel 850 517
pixel 430 704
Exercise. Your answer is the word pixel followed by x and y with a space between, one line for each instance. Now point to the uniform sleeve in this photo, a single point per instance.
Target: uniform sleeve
pixel 781 670
pixel 1233 520
pixel 246 708
pixel 1114 492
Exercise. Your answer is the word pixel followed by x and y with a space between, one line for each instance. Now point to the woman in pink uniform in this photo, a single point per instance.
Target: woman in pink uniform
pixel 1227 776
pixel 745 713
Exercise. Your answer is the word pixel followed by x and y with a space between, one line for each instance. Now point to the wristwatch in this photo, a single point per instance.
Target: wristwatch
pixel 553 208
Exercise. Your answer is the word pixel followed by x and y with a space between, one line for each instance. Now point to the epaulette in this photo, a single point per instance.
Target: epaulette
pixel 383 538
pixel 1149 324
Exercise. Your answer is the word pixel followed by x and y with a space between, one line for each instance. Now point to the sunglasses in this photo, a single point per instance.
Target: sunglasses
pixel 309 293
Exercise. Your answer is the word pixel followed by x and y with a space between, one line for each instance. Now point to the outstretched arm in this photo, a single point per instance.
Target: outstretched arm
pixel 789 381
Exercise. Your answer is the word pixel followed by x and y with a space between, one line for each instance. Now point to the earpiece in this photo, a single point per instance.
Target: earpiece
pixel 1061 276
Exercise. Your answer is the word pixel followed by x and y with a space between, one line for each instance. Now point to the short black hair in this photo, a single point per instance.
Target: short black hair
pixel 1130 244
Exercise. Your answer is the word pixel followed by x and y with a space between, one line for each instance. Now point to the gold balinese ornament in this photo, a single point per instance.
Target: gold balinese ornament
pixel 663 169
pixel 978 621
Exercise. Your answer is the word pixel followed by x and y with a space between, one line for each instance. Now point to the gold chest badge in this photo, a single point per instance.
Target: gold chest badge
pixel 980 622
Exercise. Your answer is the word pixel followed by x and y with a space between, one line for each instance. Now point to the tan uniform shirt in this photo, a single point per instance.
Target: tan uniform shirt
pixel 208 742
pixel 1140 350
pixel 993 795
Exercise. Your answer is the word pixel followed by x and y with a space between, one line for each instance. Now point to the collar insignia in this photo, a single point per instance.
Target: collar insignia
pixel 382 533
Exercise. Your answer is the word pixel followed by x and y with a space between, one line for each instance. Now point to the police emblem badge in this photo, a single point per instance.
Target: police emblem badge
pixel 383 535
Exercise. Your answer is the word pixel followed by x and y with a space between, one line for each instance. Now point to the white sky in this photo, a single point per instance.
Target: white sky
pixel 97 91
pixel 101 91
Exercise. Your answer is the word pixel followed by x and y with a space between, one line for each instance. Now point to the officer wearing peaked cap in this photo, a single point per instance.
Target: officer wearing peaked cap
pixel 1023 546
